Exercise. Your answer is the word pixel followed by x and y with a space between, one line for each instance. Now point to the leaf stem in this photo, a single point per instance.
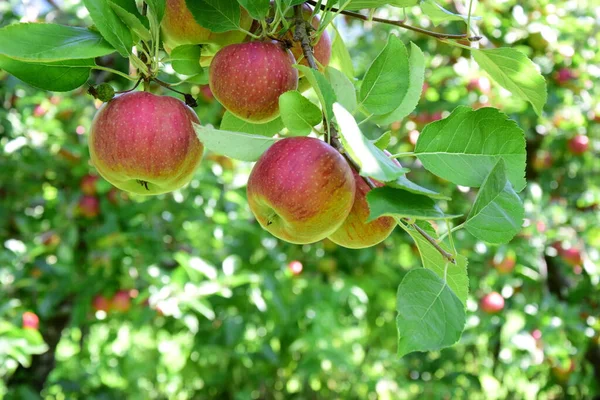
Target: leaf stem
pixel 456 228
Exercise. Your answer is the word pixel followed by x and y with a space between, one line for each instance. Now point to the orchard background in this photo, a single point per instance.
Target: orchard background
pixel 183 295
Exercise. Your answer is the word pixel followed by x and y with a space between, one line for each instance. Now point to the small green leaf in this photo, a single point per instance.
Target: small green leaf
pixel 236 145
pixel 516 73
pixel 405 184
pixel 132 20
pixel 387 201
pixel 438 14
pixel 340 57
pixel 157 9
pixel 383 141
pixel 360 4
pixel 497 214
pixel 232 123
pixel 430 316
pixel 185 59
pixel 110 26
pixel 343 88
pixel 298 114
pixel 322 88
pixel 217 15
pixel 258 9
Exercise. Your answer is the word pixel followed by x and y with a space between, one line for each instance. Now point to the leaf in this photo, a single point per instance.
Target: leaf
pixel 343 88
pixel 430 316
pixel 387 201
pixel 373 162
pixel 258 9
pixel 110 26
pixel 232 123
pixel 298 114
pixel 236 145
pixel 438 14
pixel 216 15
pixel 340 57
pixel 58 76
pixel 322 88
pixel 386 84
pixel 514 72
pixel 455 275
pixel 416 78
pixel 383 141
pixel 464 147
pixel 133 20
pixel 497 214
pixel 157 8
pixel 185 59
pixel 404 183
pixel 360 4
pixel 51 42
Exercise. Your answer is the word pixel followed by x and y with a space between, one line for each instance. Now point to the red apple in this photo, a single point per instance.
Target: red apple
pixel 542 160
pixel 101 303
pixel 89 206
pixel 572 256
pixel 564 75
pixel 179 27
pixel 30 320
pixel 579 144
pixel 505 264
pixel 121 301
pixel 295 267
pixel 356 232
pixel 301 190
pixel 248 78
pixel 145 144
pixel 88 184
pixel 492 303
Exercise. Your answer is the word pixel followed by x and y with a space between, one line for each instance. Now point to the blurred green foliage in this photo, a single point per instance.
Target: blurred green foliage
pixel 216 313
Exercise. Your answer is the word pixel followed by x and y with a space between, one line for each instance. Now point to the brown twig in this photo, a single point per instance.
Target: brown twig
pixel 303 37
pixel 401 24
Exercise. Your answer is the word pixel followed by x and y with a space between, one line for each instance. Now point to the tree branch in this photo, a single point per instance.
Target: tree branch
pixel 302 35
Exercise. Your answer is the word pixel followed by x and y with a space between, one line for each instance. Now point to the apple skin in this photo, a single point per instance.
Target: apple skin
pixel 30 320
pixel 248 78
pixel 121 301
pixel 356 232
pixel 179 27
pixel 507 264
pixel 145 144
pixel 88 184
pixel 492 303
pixel 101 303
pixel 301 190
pixel 579 144
pixel 89 206
pixel 295 267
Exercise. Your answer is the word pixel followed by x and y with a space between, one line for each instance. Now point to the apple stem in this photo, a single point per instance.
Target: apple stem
pixel 132 89
pixel 189 99
pixel 400 24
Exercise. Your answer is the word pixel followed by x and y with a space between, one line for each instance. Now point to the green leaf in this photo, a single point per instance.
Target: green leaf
pixel 236 145
pixel 430 316
pixel 298 114
pixel 438 14
pixel 58 76
pixel 216 15
pixel 322 88
pixel 185 59
pixel 157 8
pixel 455 275
pixel 387 201
pixel 258 9
pixel 51 42
pixel 386 82
pixel 133 20
pixel 416 78
pixel 343 88
pixel 340 57
pixel 110 26
pixel 497 214
pixel 464 147
pixel 405 184
pixel 360 4
pixel 514 72
pixel 232 123
pixel 383 141
pixel 373 162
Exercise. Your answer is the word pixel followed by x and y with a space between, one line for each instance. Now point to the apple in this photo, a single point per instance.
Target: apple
pixel 579 144
pixel 571 256
pixel 145 144
pixel 30 320
pixel 179 27
pixel 121 301
pixel 295 267
pixel 101 303
pixel 492 303
pixel 321 49
pixel 301 190
pixel 248 78
pixel 89 206
pixel 505 264
pixel 542 160
pixel 564 75
pixel 88 184
pixel 356 232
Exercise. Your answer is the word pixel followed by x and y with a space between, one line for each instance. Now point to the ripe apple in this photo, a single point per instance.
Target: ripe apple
pixel 571 256
pixel 295 267
pixel 505 264
pixel 145 144
pixel 89 206
pixel 564 75
pixel 88 184
pixel 121 301
pixel 356 232
pixel 30 320
pixel 301 190
pixel 321 49
pixel 248 78
pixel 101 303
pixel 179 27
pixel 492 303
pixel 579 144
